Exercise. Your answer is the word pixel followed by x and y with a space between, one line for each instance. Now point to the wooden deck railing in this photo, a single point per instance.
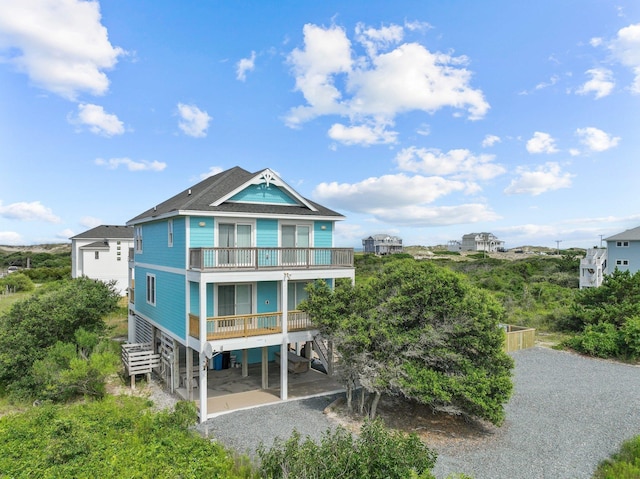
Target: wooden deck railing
pixel 518 337
pixel 204 259
pixel 245 325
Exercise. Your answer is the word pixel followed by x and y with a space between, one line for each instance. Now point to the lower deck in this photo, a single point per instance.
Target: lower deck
pixel 228 390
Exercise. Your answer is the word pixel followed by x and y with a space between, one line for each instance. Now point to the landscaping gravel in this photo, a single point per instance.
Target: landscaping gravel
pixel 566 415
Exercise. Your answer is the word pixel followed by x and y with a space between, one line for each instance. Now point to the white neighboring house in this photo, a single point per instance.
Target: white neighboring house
pixel 622 253
pixel 102 253
pixel 593 267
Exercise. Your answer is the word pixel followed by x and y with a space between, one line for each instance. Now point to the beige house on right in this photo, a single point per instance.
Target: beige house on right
pixel 478 242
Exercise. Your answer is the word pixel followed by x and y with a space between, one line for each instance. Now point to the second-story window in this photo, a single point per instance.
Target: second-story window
pixel 97 255
pixel 170 232
pixel 151 289
pixel 234 243
pixel 138 239
pixel 295 240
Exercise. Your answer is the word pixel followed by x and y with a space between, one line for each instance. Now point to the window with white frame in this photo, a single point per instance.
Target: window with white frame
pixel 138 239
pixel 170 232
pixel 622 262
pixel 296 293
pixel 623 244
pixel 151 289
pixel 233 300
pixel 234 244
pixel 295 241
pixel 97 255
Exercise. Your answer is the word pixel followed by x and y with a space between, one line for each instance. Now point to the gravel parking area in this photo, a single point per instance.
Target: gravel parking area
pixel 566 415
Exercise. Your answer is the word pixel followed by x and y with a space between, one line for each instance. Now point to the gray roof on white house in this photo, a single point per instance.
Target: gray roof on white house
pixel 629 235
pixel 202 196
pixel 106 232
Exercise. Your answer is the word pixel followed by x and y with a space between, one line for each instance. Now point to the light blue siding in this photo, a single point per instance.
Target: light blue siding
pixel 262 194
pixel 630 254
pixel 266 233
pixel 194 298
pixel 267 293
pixel 170 308
pixel 155 244
pixel 323 238
pixel 201 236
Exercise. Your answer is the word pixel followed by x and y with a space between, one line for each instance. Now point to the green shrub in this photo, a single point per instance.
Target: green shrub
pixel 622 465
pixel 631 337
pixel 113 438
pixel 601 340
pixel 16 282
pixel 53 313
pixel 376 454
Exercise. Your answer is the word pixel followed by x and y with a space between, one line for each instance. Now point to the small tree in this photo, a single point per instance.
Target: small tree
pixel 422 332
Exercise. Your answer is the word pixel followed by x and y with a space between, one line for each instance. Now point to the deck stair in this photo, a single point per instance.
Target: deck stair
pixel 139 358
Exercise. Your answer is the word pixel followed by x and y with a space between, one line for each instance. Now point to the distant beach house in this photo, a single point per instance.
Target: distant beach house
pixel 382 244
pixel 102 253
pixel 622 253
pixel 481 242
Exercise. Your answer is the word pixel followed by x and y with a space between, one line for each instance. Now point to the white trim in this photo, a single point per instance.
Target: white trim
pixel 235 214
pixel 265 176
pixel 152 287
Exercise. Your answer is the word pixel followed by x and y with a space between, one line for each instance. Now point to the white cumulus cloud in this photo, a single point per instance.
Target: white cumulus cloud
pixel 596 140
pixel 23 211
pixel 245 65
pixel 11 238
pixel 547 177
pixel 193 121
pixel 458 163
pixel 626 49
pixel 97 120
pixel 601 83
pixel 490 140
pixel 388 78
pixel 361 134
pixel 541 143
pixel 61 45
pixel 403 199
pixel 131 165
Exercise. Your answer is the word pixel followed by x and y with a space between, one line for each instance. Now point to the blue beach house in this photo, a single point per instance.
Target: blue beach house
pixel 217 271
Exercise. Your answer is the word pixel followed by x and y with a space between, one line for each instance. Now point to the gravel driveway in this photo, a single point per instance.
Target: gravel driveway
pixel 567 414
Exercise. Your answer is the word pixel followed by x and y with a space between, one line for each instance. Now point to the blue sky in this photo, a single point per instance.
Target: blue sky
pixel 427 120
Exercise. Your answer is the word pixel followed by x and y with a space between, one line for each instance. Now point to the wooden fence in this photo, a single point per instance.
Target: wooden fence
pixel 139 358
pixel 518 337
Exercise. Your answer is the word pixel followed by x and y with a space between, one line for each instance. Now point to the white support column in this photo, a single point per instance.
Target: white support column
pixel 175 366
pixel 202 386
pixel 265 367
pixel 245 363
pixel 189 373
pixel 284 347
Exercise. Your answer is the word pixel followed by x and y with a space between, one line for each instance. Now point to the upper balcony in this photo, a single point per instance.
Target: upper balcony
pixel 221 259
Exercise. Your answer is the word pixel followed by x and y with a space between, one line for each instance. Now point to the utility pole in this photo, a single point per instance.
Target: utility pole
pixel 601 240
pixel 558 245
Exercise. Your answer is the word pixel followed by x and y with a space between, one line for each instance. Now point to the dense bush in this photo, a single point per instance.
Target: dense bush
pixel 622 465
pixel 16 282
pixel 607 319
pixel 52 314
pixel 377 453
pixel 114 438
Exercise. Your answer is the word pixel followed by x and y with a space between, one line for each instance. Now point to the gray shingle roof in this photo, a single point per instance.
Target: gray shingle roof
pixel 628 235
pixel 106 231
pixel 199 197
